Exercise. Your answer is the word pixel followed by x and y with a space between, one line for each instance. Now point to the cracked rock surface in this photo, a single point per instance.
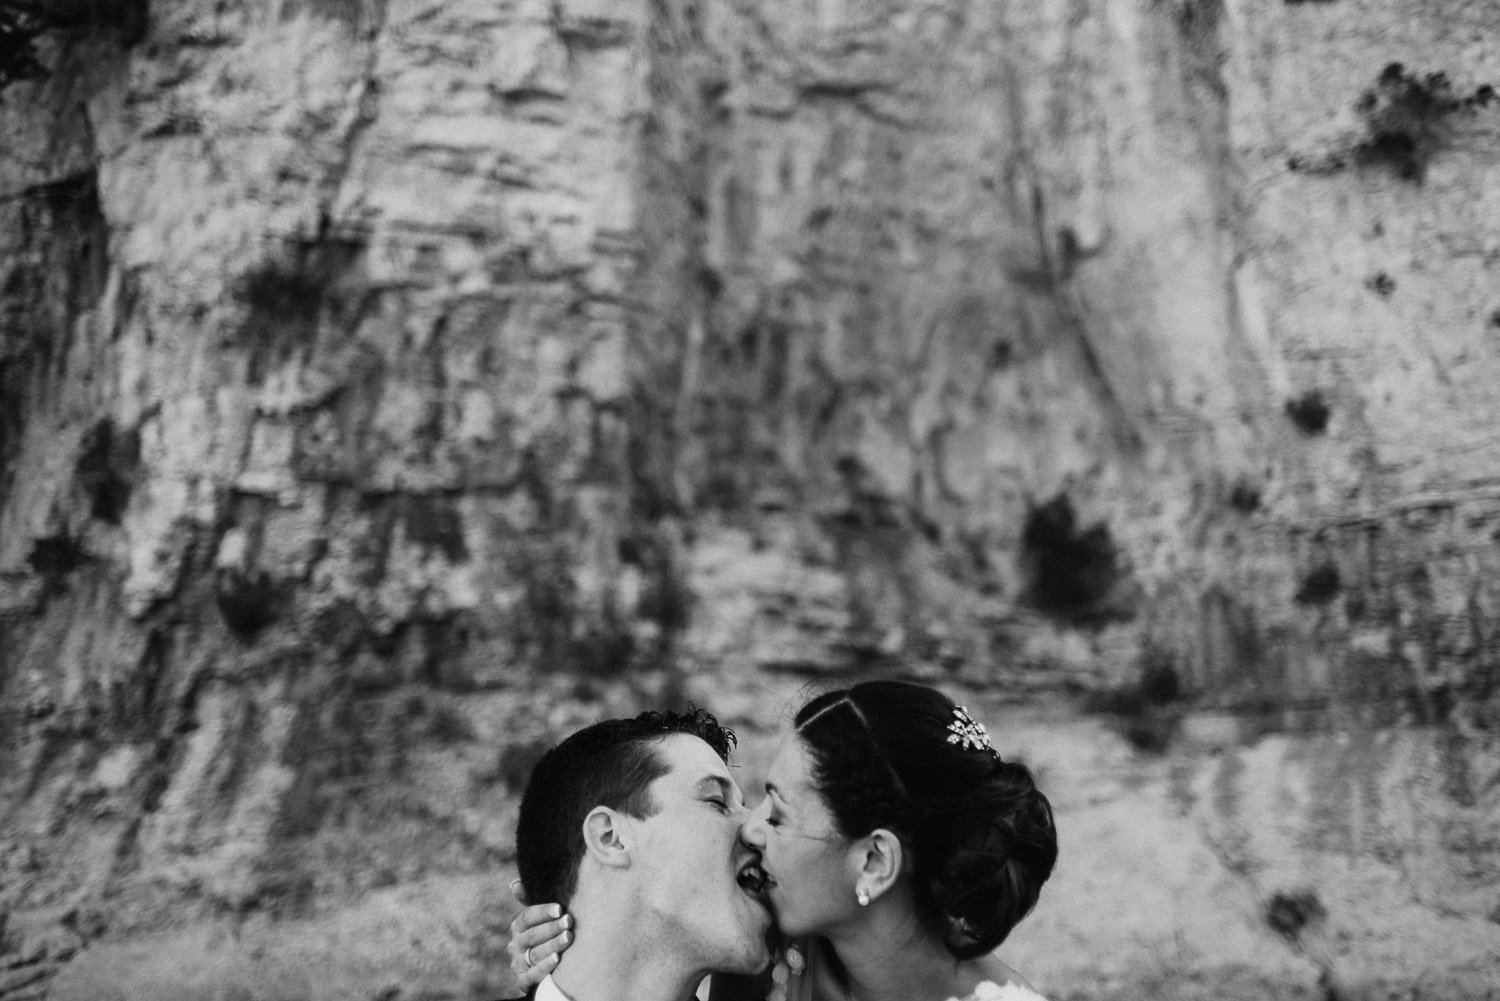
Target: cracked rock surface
pixel 388 387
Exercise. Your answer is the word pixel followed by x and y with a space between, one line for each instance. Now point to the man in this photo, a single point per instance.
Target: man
pixel 633 826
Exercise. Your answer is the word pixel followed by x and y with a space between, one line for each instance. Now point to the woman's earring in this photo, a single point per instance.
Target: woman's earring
pixel 863 896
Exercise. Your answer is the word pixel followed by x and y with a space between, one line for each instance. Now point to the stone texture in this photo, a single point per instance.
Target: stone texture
pixel 388 386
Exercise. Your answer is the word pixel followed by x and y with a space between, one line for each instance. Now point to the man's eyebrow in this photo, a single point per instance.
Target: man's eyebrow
pixel 713 783
pixel 723 786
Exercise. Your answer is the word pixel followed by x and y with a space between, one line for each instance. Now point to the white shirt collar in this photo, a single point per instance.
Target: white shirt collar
pixel 548 990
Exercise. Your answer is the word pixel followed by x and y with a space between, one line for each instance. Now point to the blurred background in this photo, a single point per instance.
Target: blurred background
pixel 388 387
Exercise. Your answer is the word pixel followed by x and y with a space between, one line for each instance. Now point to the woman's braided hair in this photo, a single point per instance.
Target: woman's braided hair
pixel 979 833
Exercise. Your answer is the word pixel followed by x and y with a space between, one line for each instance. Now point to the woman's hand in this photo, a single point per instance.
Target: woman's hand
pixel 538 936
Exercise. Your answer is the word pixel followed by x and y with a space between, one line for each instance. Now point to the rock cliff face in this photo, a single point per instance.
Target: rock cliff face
pixel 388 386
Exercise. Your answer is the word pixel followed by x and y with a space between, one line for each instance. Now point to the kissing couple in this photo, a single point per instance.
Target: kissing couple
pixel 893 852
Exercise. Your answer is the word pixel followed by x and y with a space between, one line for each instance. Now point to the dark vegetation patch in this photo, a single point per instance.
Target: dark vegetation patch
pixel 1454 756
pixel 556 627
pixel 24 22
pixel 1160 684
pixel 61 266
pixel 57 271
pixel 1381 284
pixel 1310 412
pixel 290 293
pixel 20 355
pixel 447 725
pixel 603 647
pixel 88 924
pixel 712 281
pixel 1289 912
pixel 105 469
pixel 666 598
pixel 56 556
pixel 1073 573
pixel 514 763
pixel 1198 24
pixel 77 235
pixel 1146 711
pixel 1245 497
pixel 1407 118
pixel 1495 319
pixel 127 20
pixel 20 29
pixel 433 521
pixel 1320 586
pixel 248 601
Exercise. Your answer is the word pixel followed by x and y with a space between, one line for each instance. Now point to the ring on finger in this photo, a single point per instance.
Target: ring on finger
pixel 527 955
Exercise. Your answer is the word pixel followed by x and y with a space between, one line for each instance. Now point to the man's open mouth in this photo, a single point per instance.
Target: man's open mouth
pixel 752 878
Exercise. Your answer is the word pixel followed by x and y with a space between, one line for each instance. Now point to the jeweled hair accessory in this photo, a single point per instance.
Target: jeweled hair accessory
pixel 969 732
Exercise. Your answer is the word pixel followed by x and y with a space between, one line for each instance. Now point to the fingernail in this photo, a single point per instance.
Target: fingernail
pixel 567 937
pixel 556 910
pixel 567 921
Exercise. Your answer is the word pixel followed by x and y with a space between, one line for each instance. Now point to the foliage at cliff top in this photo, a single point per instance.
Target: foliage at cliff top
pixel 20 25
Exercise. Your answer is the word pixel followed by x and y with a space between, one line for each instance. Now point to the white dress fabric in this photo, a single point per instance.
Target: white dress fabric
pixel 991 991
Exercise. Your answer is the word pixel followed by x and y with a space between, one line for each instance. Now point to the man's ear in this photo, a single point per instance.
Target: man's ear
pixel 605 838
pixel 879 860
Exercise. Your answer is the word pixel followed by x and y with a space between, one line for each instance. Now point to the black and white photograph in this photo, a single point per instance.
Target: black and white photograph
pixel 749 500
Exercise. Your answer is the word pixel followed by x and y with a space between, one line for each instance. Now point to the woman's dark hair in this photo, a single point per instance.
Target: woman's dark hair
pixel 978 832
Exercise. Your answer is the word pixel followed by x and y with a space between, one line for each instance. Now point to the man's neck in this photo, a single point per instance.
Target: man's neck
pixel 617 960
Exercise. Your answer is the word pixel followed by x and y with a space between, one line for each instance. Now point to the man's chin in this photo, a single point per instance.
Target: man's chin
pixel 756 955
pixel 754 961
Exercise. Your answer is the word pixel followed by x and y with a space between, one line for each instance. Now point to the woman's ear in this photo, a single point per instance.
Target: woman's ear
pixel 604 837
pixel 880 858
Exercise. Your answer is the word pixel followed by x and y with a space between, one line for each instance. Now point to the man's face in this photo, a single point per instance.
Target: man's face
pixel 690 856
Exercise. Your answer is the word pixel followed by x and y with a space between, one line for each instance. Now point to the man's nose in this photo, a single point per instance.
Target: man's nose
pixel 753 830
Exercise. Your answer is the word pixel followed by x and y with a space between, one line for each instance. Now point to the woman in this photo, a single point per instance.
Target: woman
pixel 899 851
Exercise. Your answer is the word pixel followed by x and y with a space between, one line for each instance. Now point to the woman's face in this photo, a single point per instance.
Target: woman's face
pixel 808 863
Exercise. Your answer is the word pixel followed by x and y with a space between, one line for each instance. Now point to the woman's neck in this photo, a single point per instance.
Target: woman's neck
pixel 889 957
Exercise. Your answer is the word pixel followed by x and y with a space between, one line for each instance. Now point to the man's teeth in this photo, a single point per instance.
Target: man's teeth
pixel 752 878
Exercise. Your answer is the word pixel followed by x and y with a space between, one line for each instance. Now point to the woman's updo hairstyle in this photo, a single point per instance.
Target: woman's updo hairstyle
pixel 978 833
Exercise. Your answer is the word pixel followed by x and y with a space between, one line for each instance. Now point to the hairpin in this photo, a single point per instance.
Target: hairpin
pixel 969 732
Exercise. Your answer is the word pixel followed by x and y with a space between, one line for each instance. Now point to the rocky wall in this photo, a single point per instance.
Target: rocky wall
pixel 387 386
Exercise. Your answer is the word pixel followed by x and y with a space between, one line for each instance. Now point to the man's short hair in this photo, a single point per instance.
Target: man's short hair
pixel 611 764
